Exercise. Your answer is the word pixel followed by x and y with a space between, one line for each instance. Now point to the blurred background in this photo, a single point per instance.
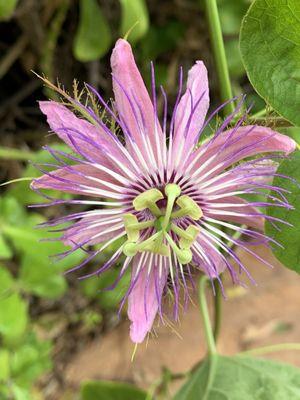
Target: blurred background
pixel 57 332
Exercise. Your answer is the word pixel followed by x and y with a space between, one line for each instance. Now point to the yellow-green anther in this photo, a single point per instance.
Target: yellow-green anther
pixel 143 225
pixel 181 232
pixel 132 233
pixel 188 207
pixel 132 226
pixel 130 248
pixel 184 256
pixel 148 199
pixel 186 242
pixel 172 191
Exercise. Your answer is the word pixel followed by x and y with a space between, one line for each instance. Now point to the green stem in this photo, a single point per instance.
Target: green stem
pixel 270 349
pixel 205 316
pixel 8 153
pixel 219 54
pixel 218 312
pixel 259 114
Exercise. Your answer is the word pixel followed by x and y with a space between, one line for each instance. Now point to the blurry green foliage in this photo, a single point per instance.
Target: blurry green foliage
pixel 93 288
pixel 37 275
pixel 231 14
pixel 104 390
pixel 234 59
pixel 7 7
pixel 161 39
pixel 21 366
pixel 93 37
pixel 134 19
pixel 13 315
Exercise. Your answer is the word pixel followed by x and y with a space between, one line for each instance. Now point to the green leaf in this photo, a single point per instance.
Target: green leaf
pixel 7 7
pixel 241 378
pixel 291 131
pixel 288 236
pixel 38 276
pixel 11 212
pixel 20 393
pixel 4 365
pixel 29 361
pixel 270 47
pixel 13 317
pixel 93 37
pixel 5 250
pixel 134 15
pixel 103 390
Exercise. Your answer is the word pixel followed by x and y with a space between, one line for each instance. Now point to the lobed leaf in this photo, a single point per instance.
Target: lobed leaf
pixel 270 48
pixel 240 377
pixel 287 236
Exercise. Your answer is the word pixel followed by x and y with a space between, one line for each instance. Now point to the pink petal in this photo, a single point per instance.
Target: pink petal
pixel 143 301
pixel 83 232
pixel 89 139
pixel 192 109
pixel 234 145
pixel 69 179
pixel 251 221
pixel 138 112
pixel 214 259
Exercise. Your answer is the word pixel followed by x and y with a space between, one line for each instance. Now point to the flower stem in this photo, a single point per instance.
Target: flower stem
pixel 270 349
pixel 219 54
pixel 259 114
pixel 9 153
pixel 218 312
pixel 205 316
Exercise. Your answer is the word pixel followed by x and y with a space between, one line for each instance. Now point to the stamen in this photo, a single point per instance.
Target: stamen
pixel 187 237
pixel 184 256
pixel 130 248
pixel 188 207
pixel 148 199
pixel 132 226
pixel 192 231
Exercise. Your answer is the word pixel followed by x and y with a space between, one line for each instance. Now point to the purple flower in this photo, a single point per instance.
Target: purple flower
pixel 167 199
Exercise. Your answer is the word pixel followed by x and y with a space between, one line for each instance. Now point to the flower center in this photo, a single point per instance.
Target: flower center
pixel 162 240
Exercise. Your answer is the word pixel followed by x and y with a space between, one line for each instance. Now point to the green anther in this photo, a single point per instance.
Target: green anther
pixel 188 207
pixel 148 199
pixel 172 191
pixel 143 225
pixel 184 256
pixel 132 226
pixel 132 233
pixel 130 249
pixel 192 231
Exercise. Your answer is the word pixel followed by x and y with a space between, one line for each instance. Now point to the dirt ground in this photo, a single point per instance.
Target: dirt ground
pixel 254 317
